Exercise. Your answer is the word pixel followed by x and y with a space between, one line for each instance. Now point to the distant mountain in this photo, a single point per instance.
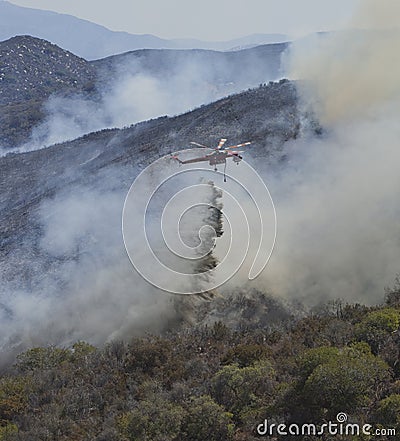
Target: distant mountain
pixel 253 40
pixel 231 45
pixel 92 41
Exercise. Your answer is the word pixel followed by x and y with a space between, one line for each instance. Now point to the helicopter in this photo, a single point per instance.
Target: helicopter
pixel 219 155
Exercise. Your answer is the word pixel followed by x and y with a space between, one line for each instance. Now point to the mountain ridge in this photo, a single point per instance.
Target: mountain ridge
pixel 33 69
pixel 92 41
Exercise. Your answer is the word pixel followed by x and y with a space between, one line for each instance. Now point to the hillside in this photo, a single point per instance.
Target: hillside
pixel 28 178
pixel 226 71
pixel 61 209
pixel 215 382
pixel 31 70
pixel 245 358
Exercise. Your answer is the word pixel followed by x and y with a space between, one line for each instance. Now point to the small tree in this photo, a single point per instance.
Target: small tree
pixel 156 420
pixel 240 389
pixel 206 420
pixel 388 411
pixel 377 327
pixel 14 395
pixel 42 358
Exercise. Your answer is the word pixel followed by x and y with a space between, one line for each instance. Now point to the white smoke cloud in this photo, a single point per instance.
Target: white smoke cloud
pixel 132 98
pixel 90 290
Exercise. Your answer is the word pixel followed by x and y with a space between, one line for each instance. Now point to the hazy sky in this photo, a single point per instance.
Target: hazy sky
pixel 206 19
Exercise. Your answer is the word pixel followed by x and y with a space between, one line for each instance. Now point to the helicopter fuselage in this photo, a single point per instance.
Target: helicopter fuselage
pixel 217 158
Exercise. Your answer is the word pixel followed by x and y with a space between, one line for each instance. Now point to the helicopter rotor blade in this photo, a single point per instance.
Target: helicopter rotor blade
pixel 238 145
pixel 221 143
pixel 199 145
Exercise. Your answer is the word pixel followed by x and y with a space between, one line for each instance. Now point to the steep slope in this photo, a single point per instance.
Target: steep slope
pixel 267 115
pixel 31 70
pixel 60 215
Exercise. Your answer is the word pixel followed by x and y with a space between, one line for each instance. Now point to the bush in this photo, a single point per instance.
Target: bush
pixel 377 327
pixel 206 420
pixel 246 355
pixel 239 389
pixel 42 358
pixel 14 394
pixel 345 382
pixel 156 420
pixel 388 411
pixel 6 430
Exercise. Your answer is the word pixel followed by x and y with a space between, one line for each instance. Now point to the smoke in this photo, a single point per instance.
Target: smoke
pixel 352 73
pixel 141 88
pixel 132 98
pixel 70 278
pixel 336 197
pixel 337 200
pixel 382 15
pixel 80 285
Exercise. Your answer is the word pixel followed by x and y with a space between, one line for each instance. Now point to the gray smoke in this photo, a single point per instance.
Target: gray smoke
pixel 337 201
pixel 80 284
pixel 73 280
pixel 131 91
